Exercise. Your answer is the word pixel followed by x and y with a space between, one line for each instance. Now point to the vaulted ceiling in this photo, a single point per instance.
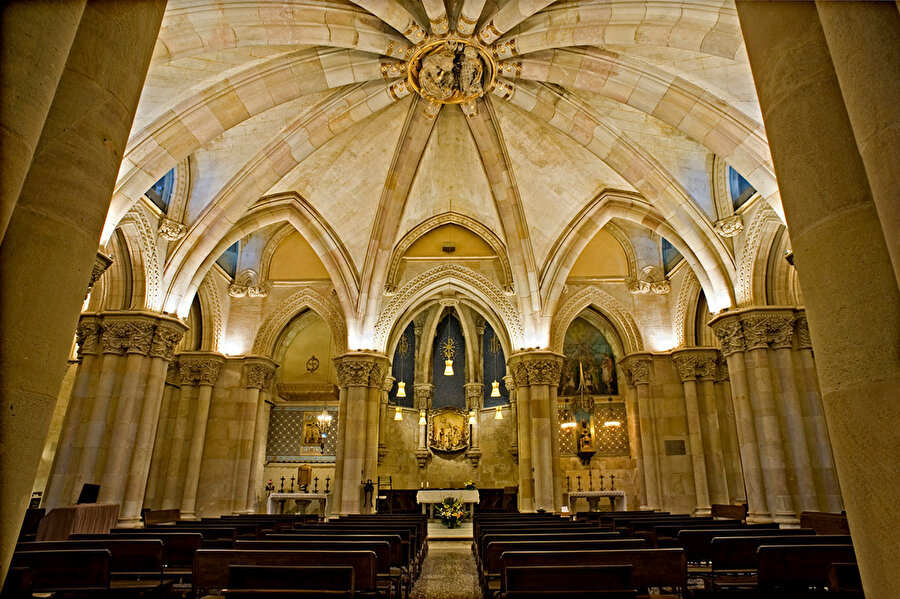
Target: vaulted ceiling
pixel 303 111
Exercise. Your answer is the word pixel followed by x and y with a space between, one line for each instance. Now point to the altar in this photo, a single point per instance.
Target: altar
pixel 616 499
pixel 430 497
pixel 275 504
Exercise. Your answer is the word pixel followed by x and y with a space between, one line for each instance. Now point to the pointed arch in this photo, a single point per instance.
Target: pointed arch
pixel 609 306
pixel 211 310
pixel 267 336
pixel 751 277
pixel 686 309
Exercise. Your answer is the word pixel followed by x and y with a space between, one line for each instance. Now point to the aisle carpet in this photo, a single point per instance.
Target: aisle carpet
pixel 448 572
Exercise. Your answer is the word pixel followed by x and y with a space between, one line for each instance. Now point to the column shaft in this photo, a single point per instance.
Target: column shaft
pixel 258 457
pixel 730 446
pixel 526 471
pixel 195 454
pixel 634 434
pixel 174 481
pixel 648 445
pixel 692 414
pixel 96 425
pixel 245 452
pixel 161 447
pixel 712 442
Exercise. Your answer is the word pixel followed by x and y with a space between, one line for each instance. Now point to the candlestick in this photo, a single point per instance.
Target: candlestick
pixel 568 484
pixel 281 490
pixel 316 486
pixel 591 480
pixel 578 478
pixel 292 484
pixel 601 482
pixel 612 482
pixel 327 479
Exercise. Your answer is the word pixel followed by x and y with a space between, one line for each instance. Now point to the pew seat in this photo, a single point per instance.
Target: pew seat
pixel 290 581
pixel 572 582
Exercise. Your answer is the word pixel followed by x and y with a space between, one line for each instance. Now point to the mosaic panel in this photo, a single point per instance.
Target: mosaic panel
pixel 607 441
pixel 293 436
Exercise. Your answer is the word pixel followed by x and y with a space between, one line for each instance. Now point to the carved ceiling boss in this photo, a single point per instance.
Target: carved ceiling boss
pixel 451 71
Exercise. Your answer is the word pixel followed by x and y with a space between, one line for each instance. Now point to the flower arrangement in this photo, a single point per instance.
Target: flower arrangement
pixel 469 485
pixel 451 511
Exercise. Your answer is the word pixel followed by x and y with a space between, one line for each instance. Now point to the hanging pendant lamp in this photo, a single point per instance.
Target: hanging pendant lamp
pixel 495 389
pixel 401 389
pixel 398 415
pixel 498 414
pixel 611 421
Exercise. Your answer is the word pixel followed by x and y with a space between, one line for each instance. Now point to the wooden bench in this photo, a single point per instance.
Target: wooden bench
pixel 207 533
pixel 490 572
pixel 400 556
pixel 825 523
pixel 793 570
pixel 697 542
pixel 732 512
pixel 844 579
pixel 650 568
pixel 574 581
pixel 70 571
pixel 178 547
pixel 134 565
pixel 666 535
pixel 211 565
pixel 596 535
pixel 290 581
pixel 160 516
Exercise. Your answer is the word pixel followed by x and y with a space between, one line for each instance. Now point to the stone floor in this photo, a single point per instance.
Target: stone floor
pixel 448 572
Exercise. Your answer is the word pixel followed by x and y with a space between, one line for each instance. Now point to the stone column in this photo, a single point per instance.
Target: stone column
pixel 523 433
pixel 758 329
pixel 728 429
pixel 634 435
pixel 713 453
pixel 203 368
pixel 339 448
pixel 840 244
pixel 638 374
pixel 166 336
pixel 474 393
pixel 687 364
pixel 360 376
pixel 383 416
pixel 541 372
pixel 424 392
pixel 260 371
pixel 814 423
pixel 728 329
pixel 164 438
pixel 78 153
pixel 511 388
pixel 174 479
pixel 68 449
pixel 139 333
pixel 782 344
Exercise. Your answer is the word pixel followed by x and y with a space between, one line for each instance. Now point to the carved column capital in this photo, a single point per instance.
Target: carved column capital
pixel 764 327
pixel 173 377
pixel 695 364
pixel 730 333
pixel 260 371
pixel 361 369
pixel 803 339
pixel 200 368
pixel 87 335
pixel 686 367
pixel 166 338
pixel 114 337
pixel 637 370
pixel 510 387
pixel 101 263
pixel 474 393
pixel 540 367
pixel 722 372
pixel 424 393
pixel 387 385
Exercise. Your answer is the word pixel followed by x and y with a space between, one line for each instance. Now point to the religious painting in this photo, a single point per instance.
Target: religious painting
pixel 310 430
pixel 585 432
pixel 449 430
pixel 590 365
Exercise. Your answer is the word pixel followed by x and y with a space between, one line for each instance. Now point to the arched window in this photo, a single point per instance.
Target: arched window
pixel 161 192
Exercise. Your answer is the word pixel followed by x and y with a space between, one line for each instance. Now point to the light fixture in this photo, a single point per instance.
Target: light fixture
pixel 448 367
pixel 471 416
pixel 398 415
pixel 495 389
pixel 401 389
pixel 568 421
pixel 498 414
pixel 323 421
pixel 449 351
pixel 611 421
pixel 422 417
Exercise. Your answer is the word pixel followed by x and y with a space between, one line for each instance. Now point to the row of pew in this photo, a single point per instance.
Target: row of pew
pixel 241 556
pixel 627 554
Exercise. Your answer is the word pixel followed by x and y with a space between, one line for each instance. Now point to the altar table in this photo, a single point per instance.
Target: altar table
pixel 616 499
pixel 300 498
pixel 431 496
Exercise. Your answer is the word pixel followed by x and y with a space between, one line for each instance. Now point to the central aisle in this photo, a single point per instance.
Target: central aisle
pixel 448 572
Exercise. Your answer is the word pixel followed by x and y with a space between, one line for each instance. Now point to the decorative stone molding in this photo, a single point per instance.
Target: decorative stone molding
pixel 803 339
pixel 386 386
pixel 101 263
pixel 722 371
pixel 422 455
pixel 247 284
pixel 87 335
pixel 474 394
pixel 144 241
pixel 260 372
pixel 473 454
pixel 637 286
pixel 114 337
pixel 166 338
pixel 266 337
pixel 729 226
pixel 637 370
pixel 377 375
pixel 212 314
pixel 763 328
pixel 201 368
pixel 695 364
pixel 686 306
pixel 173 377
pixel 424 392
pixel 649 279
pixel 171 230
pixel 660 287
pixel 621 318
pixel 730 333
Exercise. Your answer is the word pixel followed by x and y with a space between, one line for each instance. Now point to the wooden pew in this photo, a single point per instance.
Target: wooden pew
pixel 290 581
pixel 400 555
pixel 825 523
pixel 697 542
pixel 844 579
pixel 666 535
pixel 792 570
pixel 73 571
pixel 207 533
pixel 490 572
pixel 571 582
pixel 211 565
pixel 735 560
pixel 731 512
pixel 178 547
pixel 151 517
pixel 393 579
pixel 134 565
pixel 650 568
pixel 408 532
pixel 594 535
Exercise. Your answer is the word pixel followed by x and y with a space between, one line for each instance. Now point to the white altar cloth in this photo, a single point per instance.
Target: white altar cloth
pixel 301 498
pixel 616 498
pixel 431 496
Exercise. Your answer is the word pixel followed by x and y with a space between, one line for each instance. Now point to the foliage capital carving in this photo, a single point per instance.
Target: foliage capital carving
pixel 166 338
pixel 360 369
pixel 803 339
pixel 88 335
pixel 730 334
pixel 200 368
pixel 260 372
